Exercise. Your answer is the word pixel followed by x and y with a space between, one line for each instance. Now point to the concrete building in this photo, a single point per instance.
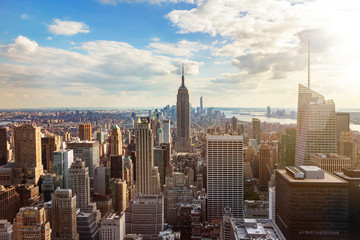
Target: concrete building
pixel 6 174
pixel 352 176
pixel 264 166
pixel 234 125
pixel 87 151
pixel 113 227
pixel 286 152
pixel 79 183
pixel 49 145
pixel 166 131
pixel 145 216
pixel 85 132
pixel 347 147
pixel 117 166
pixel 62 161
pixel 256 209
pixel 330 162
pixel 28 166
pixel 183 138
pixel 121 196
pixel 6 230
pixel 316 126
pixel 28 193
pixel 63 215
pixel 4 151
pixel 116 141
pixel 145 159
pixel 9 202
pixel 31 223
pixel 250 228
pixel 311 204
pixel 225 160
pixel 256 130
pixel 272 203
pixel 87 226
pixel 103 181
pixel 342 123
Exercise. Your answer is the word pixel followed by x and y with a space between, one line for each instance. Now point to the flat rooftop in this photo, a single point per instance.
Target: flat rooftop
pixel 328 178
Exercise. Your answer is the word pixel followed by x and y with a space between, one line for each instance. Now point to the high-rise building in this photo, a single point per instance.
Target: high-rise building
pixel 121 192
pixel 225 161
pixel 311 204
pixel 85 132
pixel 272 203
pixel 256 130
pixel 63 215
pixel 31 223
pixel 9 202
pixel 28 167
pixel 166 131
pixel 316 126
pixel 103 182
pixel 145 216
pixel 113 227
pixel 116 141
pixel 286 152
pixel 79 183
pixel 347 147
pixel 3 147
pixel 6 230
pixel 201 105
pixel 49 145
pixel 352 176
pixel 87 151
pixel 161 159
pixel 264 165
pixel 144 157
pixel 183 139
pixel 234 125
pixel 87 226
pixel 330 162
pixel 117 166
pixel 62 161
pixel 342 123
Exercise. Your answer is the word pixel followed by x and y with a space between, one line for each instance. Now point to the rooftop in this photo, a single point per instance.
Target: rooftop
pixel 328 178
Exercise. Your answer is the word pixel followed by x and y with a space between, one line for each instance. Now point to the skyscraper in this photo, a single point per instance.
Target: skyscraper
pixel 201 105
pixel 3 147
pixel 183 140
pixel 31 223
pixel 342 123
pixel 9 202
pixel 49 145
pixel 316 126
pixel 311 204
pixel 62 161
pixel 116 141
pixel 224 174
pixel 79 183
pixel 347 147
pixel 166 131
pixel 144 157
pixel 256 130
pixel 264 165
pixel 28 165
pixel 286 153
pixel 234 125
pixel 85 132
pixel 63 215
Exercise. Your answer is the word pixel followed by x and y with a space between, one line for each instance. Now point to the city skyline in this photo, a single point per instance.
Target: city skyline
pixel 115 53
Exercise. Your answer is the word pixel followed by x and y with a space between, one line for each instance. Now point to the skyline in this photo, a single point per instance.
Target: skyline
pixel 114 53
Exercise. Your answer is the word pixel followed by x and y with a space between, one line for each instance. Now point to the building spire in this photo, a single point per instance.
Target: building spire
pixel 182 78
pixel 309 64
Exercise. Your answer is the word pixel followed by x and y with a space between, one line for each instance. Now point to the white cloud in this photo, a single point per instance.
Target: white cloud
pixel 49 38
pixel 25 16
pixel 67 27
pixel 182 48
pixel 22 45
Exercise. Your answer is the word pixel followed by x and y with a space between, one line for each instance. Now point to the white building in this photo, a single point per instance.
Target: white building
pixel 166 131
pixel 79 182
pixel 330 162
pixel 6 230
pixel 113 227
pixel 272 203
pixel 225 160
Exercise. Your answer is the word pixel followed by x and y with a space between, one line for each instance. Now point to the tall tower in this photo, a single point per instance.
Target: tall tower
pixel 183 140
pixel 256 130
pixel 116 141
pixel 316 126
pixel 144 158
pixel 201 105
pixel 27 154
pixel 264 165
pixel 79 182
pixel 166 131
pixel 3 147
pixel 85 132
pixel 63 214
pixel 224 174
pixel 49 145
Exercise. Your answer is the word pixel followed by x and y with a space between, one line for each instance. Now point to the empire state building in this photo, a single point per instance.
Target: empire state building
pixel 183 140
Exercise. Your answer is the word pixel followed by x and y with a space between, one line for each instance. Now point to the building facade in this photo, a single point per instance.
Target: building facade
pixel 79 183
pixel 85 132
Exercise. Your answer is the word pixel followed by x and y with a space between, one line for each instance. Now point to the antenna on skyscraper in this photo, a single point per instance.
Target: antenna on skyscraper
pixel 309 64
pixel 183 78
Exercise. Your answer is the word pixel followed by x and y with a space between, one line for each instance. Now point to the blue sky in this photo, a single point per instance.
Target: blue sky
pixel 122 53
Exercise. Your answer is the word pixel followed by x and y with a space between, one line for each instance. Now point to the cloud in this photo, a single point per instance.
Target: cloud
pixel 25 16
pixel 114 2
pixel 67 27
pixel 49 38
pixel 100 67
pixel 182 48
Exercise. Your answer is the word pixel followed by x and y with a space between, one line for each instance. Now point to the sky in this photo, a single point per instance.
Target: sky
pixel 128 53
